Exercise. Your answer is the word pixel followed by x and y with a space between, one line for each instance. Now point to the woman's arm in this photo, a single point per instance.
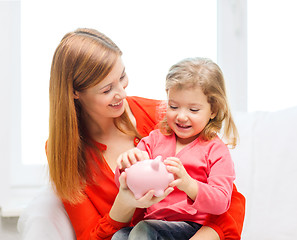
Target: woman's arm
pixel 89 224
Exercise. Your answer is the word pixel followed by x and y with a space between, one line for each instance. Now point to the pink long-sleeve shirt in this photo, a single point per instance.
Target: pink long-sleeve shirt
pixel 209 162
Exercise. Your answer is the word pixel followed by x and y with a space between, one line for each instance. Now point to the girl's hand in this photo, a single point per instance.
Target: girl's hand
pixel 144 202
pixel 183 181
pixel 130 157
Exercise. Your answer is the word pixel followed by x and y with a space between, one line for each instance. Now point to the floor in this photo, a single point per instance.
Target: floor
pixel 8 230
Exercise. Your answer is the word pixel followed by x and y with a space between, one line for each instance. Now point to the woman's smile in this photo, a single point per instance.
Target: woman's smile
pixel 117 105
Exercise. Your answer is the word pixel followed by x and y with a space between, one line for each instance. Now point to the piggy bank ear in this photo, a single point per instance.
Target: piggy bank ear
pixel 156 163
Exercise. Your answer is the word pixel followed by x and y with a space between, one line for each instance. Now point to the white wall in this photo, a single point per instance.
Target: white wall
pixel 10 91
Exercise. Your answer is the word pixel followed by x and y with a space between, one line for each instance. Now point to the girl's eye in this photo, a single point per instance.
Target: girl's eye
pixel 194 110
pixel 172 107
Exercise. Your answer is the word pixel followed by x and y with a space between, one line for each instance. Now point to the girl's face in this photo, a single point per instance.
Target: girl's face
pixel 105 100
pixel 188 113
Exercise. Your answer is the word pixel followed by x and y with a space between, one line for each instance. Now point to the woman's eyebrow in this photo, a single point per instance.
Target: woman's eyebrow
pixel 124 70
pixel 111 82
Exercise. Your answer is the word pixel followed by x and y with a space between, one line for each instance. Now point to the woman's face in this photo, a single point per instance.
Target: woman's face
pixel 105 100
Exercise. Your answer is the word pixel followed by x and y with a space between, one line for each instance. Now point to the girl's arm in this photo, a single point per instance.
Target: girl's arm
pixel 225 226
pixel 229 225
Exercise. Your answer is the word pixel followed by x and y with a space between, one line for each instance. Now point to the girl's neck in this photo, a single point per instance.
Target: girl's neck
pixel 181 142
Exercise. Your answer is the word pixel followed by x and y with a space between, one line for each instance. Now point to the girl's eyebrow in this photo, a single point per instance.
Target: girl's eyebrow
pixel 195 105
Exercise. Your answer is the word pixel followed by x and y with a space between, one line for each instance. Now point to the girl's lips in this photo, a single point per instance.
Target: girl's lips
pixel 182 126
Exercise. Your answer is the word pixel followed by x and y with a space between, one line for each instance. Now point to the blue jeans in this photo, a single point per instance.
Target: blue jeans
pixel 158 230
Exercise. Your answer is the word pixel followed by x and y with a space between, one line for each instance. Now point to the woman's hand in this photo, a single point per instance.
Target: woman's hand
pixel 144 202
pixel 130 157
pixel 183 181
pixel 125 203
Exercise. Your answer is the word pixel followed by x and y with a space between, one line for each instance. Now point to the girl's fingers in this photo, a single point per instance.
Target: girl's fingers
pixel 132 157
pixel 145 155
pixel 120 161
pixel 174 183
pixel 168 191
pixel 141 155
pixel 136 155
pixel 125 161
pixel 173 169
pixel 172 162
pixel 174 159
pixel 122 180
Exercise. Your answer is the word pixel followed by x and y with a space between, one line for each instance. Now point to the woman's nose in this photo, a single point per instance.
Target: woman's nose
pixel 121 92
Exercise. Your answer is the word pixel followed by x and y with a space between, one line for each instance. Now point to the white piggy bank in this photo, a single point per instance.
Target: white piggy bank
pixel 150 174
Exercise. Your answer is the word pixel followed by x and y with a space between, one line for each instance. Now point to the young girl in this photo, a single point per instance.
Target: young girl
pixel 188 141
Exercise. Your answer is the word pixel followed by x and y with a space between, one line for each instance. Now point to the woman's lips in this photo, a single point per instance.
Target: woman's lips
pixel 117 105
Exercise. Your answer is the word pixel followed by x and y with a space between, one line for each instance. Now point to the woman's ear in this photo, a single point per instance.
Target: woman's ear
pixel 75 94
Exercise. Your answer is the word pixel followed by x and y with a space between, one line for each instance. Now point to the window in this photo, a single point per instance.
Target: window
pixel 153 35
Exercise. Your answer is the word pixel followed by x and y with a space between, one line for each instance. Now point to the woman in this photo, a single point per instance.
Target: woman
pixel 92 121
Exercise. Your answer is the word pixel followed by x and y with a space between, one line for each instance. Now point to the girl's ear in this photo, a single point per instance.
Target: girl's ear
pixel 75 94
pixel 213 115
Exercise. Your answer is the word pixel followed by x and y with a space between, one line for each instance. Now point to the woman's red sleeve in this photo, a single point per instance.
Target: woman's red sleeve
pixel 229 225
pixel 89 224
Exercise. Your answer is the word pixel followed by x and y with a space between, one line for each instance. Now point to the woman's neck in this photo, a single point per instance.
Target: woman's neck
pixel 103 129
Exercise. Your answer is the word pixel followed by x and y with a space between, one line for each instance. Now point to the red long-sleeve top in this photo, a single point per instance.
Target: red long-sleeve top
pixel 90 218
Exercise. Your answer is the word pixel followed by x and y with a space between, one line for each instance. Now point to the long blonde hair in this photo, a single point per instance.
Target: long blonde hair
pixel 208 76
pixel 82 59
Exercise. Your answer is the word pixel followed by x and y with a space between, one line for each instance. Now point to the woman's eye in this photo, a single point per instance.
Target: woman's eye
pixel 107 91
pixel 123 76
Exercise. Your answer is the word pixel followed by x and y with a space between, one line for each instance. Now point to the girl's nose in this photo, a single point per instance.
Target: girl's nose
pixel 182 117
